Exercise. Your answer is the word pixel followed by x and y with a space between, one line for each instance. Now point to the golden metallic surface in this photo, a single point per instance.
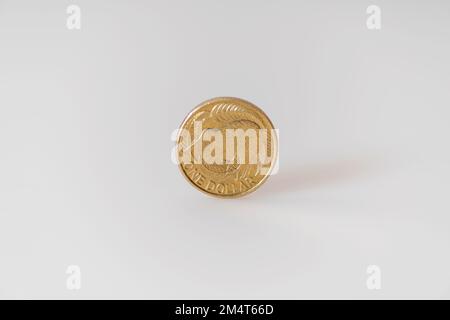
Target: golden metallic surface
pixel 227 180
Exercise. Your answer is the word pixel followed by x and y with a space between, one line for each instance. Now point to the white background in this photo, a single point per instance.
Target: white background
pixel 86 177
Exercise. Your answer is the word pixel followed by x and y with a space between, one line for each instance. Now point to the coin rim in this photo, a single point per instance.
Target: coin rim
pixel 223 196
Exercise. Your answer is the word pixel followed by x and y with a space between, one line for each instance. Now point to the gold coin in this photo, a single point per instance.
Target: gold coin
pixel 227 147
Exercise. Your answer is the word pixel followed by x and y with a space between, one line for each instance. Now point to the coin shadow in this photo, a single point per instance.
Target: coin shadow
pixel 320 175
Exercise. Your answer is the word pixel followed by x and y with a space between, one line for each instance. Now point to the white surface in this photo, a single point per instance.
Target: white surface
pixel 85 171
